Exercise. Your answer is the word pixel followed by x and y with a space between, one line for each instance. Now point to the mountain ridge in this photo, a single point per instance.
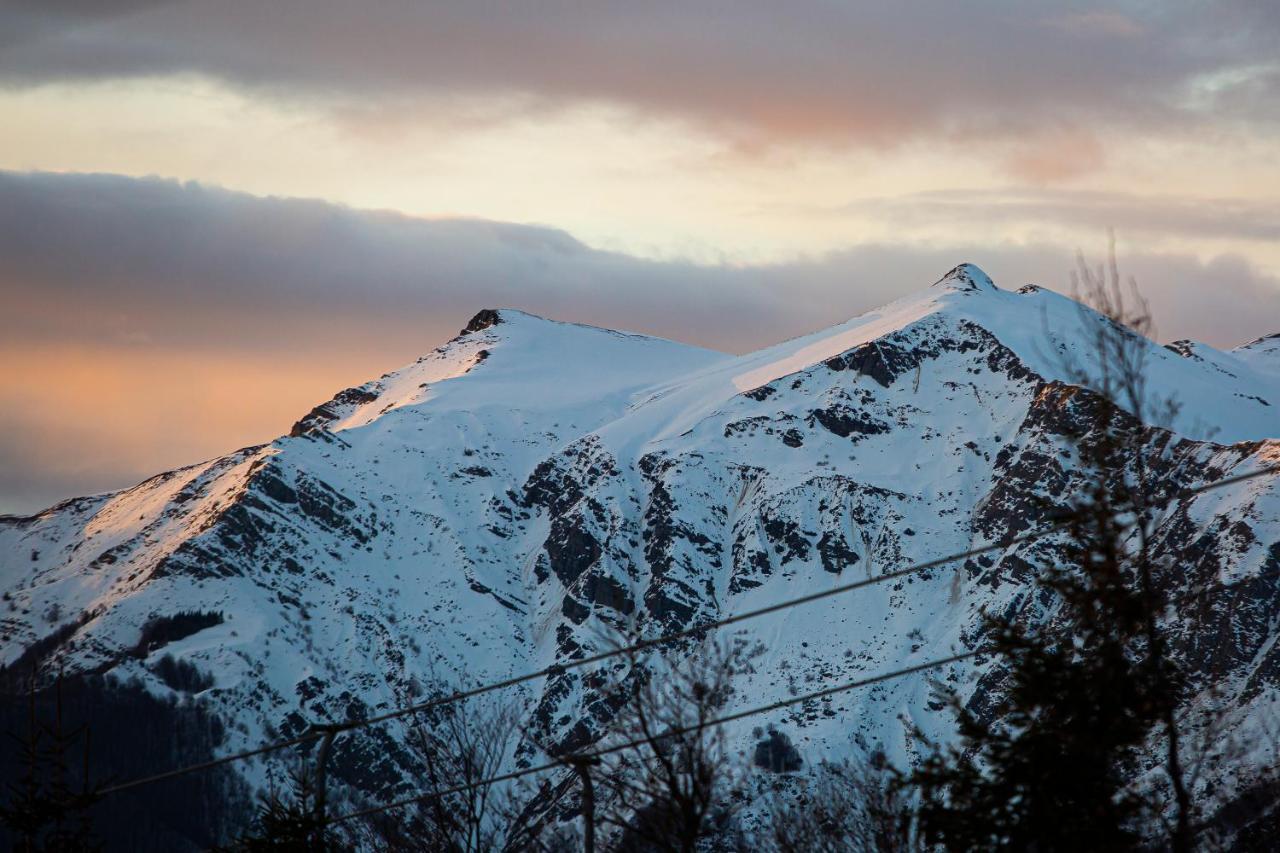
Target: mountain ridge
pixel 471 517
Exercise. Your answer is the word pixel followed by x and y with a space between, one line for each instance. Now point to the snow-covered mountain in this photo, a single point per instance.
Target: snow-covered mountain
pixel 484 511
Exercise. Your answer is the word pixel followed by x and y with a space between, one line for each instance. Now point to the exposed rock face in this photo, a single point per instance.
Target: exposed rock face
pixel 486 318
pixel 326 413
pixel 496 506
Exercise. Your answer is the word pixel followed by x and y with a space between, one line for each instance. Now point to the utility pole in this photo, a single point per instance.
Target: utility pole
pixel 329 730
pixel 582 765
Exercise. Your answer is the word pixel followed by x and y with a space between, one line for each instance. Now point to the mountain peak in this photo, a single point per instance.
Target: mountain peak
pixel 967 277
pixel 485 318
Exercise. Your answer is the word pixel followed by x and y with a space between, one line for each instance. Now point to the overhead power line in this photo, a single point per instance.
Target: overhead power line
pixel 641 645
pixel 669 733
pixel 762 709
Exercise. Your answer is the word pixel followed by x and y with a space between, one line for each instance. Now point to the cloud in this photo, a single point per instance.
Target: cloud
pixel 757 70
pixel 1063 155
pixel 150 323
pixel 1241 219
pixel 1098 22
pixel 152 262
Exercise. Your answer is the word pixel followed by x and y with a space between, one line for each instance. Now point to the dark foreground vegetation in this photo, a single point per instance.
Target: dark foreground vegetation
pixel 60 738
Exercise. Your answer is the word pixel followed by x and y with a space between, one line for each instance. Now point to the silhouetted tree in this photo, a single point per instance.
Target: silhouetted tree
pixel 677 784
pixel 1050 764
pixel 461 746
pixel 44 808
pixel 286 821
pixel 837 808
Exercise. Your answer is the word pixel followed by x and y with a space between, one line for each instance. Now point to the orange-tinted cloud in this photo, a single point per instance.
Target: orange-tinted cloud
pixel 1056 156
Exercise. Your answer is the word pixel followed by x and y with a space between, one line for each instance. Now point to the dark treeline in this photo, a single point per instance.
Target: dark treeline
pixel 162 630
pixel 108 727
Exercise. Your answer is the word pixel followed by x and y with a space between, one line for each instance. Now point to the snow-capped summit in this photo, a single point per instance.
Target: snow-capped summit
pixel 966 277
pixel 493 507
pixel 509 360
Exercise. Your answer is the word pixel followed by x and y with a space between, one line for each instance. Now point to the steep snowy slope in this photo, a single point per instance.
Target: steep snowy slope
pixel 336 552
pixel 492 508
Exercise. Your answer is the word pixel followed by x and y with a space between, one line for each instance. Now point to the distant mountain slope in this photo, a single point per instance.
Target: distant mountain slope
pixel 489 509
pixel 1262 355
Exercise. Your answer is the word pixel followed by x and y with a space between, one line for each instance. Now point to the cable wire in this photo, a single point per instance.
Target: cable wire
pixel 670 733
pixel 773 706
pixel 696 630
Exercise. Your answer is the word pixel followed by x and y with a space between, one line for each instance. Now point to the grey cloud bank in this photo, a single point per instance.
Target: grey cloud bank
pixel 196 265
pixel 279 293
pixel 876 73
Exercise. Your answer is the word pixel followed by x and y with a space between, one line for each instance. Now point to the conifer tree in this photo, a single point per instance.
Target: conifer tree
pixel 1050 765
pixel 46 808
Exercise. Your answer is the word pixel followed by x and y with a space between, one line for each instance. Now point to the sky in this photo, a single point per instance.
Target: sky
pixel 216 213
